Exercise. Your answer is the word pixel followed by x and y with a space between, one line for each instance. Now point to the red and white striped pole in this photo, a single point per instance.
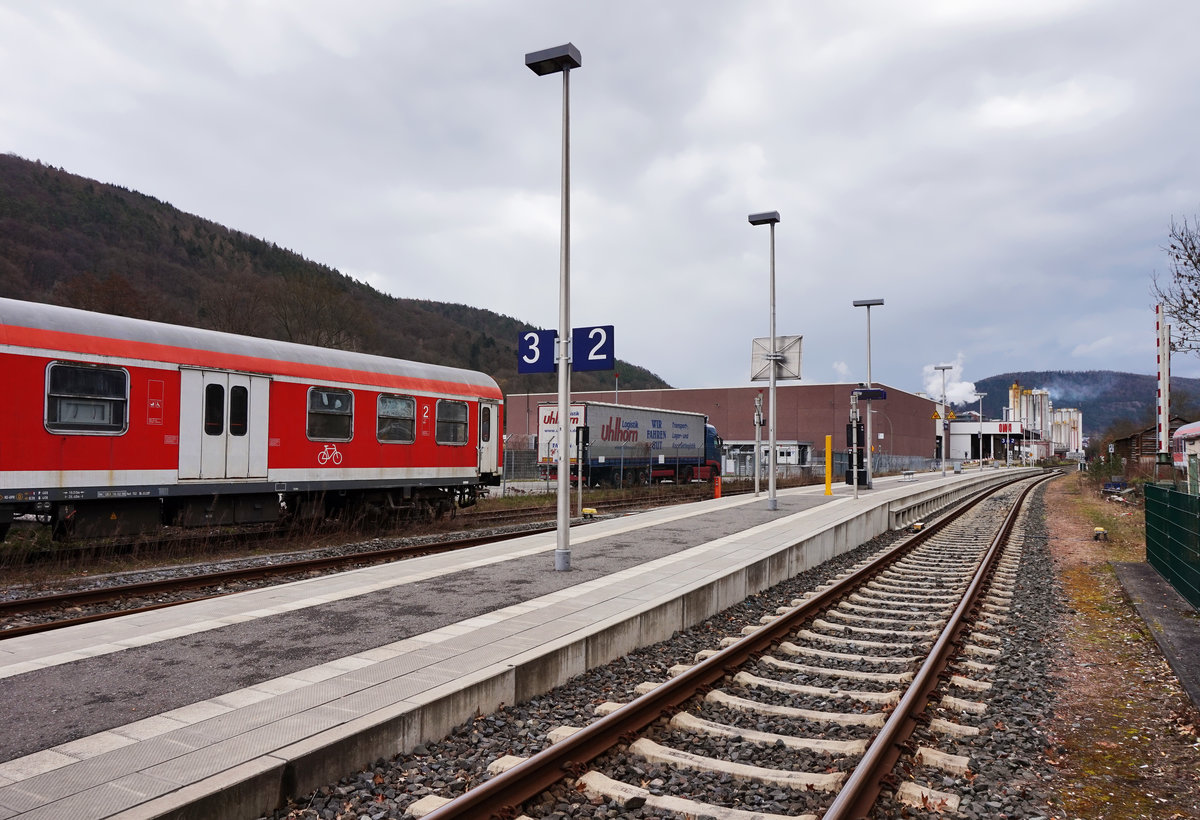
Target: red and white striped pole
pixel 1164 379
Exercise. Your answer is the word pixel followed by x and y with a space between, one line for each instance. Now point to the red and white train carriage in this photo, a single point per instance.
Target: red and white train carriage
pixel 111 424
pixel 1185 442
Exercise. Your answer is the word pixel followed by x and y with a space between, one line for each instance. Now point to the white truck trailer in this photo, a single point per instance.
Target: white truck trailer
pixel 624 445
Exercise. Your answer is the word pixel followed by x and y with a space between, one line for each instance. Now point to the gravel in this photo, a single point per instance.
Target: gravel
pixel 1007 778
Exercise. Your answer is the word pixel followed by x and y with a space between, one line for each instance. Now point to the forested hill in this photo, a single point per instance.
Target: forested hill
pixel 1108 399
pixel 68 240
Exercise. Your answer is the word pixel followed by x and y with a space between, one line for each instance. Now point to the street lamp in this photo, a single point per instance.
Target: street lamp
pixel 550 61
pixel 945 423
pixel 771 218
pixel 981 395
pixel 868 304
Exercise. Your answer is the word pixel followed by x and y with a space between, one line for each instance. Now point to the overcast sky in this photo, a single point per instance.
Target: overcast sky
pixel 1003 174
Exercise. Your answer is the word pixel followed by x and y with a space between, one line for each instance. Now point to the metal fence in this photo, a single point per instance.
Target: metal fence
pixel 885 463
pixel 1173 538
pixel 520 464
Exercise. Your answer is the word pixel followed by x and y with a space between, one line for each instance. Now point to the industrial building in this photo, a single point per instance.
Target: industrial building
pixel 1032 430
pixel 904 438
pixel 905 427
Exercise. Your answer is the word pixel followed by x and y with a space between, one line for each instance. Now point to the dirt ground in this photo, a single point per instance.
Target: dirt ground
pixel 1123 739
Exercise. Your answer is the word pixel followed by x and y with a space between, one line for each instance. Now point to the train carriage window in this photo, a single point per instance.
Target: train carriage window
pixel 396 419
pixel 485 425
pixel 214 409
pixel 451 427
pixel 330 414
pixel 239 410
pixel 86 399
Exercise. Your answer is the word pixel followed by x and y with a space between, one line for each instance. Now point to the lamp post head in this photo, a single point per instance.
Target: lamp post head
pixel 943 367
pixel 867 303
pixel 765 218
pixel 553 60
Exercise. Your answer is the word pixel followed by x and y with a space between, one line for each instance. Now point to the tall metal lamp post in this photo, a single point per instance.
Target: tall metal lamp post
pixel 771 218
pixel 981 395
pixel 868 304
pixel 551 61
pixel 945 423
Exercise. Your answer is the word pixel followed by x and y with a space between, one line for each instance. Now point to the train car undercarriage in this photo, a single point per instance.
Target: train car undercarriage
pixel 126 517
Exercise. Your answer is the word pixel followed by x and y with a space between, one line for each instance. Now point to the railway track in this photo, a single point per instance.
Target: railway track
pixel 79 554
pixel 31 615
pixel 812 713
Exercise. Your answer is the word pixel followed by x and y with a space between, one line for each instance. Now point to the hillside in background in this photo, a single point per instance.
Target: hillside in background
pixel 72 241
pixel 68 240
pixel 1107 398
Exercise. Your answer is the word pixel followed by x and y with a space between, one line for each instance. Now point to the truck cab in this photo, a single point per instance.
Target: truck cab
pixel 713 447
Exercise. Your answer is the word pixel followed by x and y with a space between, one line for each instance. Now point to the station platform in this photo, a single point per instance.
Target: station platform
pixel 225 707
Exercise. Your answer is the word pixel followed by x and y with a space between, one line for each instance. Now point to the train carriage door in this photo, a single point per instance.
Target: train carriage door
pixel 222 425
pixel 489 437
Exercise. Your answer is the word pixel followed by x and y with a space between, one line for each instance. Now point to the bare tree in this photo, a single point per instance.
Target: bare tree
pixel 1180 296
pixel 236 305
pixel 311 310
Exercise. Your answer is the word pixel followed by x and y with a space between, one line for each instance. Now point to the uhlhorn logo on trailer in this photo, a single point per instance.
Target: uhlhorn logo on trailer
pixel 615 431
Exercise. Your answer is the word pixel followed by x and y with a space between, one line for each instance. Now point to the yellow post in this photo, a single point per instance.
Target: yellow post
pixel 828 465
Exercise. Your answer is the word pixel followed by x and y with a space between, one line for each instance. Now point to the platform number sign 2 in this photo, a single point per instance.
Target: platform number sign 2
pixel 592 349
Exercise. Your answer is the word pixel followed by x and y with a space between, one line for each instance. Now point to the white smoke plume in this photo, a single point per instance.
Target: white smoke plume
pixel 957 390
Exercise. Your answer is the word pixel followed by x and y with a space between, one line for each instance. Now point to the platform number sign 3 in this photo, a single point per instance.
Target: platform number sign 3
pixel 535 351
pixel 592 349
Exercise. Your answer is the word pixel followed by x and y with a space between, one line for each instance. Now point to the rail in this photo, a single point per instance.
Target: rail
pixel 503 794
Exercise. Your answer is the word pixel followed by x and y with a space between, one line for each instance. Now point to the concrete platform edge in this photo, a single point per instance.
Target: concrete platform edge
pixel 243 791
pixel 1174 623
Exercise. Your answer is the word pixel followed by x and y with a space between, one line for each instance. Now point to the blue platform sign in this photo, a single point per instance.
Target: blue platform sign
pixel 535 351
pixel 592 348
